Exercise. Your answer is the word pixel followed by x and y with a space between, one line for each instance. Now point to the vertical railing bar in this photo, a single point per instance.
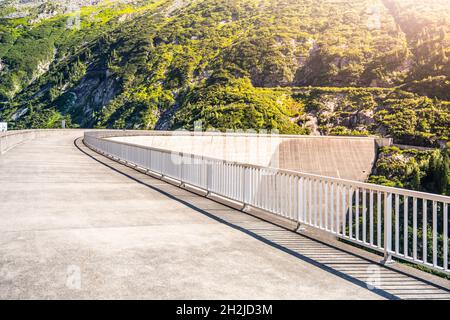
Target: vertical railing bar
pixel 261 185
pixel 221 180
pixel 283 209
pixel 350 212
pixel 253 191
pixel 262 182
pixel 299 199
pixel 445 236
pixel 320 203
pixel 332 207
pixel 310 206
pixel 302 197
pixel 253 196
pixel 277 190
pixel 371 226
pixel 387 225
pixel 343 210
pixel 338 209
pixel 397 223
pixel 287 196
pixel 326 205
pixel 295 198
pixel 305 201
pixel 245 185
pixel 379 219
pixel 414 228
pixel 271 186
pixel 424 231
pixel 280 193
pixel 258 185
pixel 292 192
pixel 315 201
pixel 229 174
pixel 434 234
pixel 405 226
pixel 268 197
pixel 233 182
pixel 357 213
pixel 364 209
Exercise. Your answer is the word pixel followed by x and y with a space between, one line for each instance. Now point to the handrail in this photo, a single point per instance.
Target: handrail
pixel 406 192
pixel 120 133
pixel 385 219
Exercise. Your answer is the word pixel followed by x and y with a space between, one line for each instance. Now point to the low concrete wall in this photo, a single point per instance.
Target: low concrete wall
pixel 350 158
pixel 10 139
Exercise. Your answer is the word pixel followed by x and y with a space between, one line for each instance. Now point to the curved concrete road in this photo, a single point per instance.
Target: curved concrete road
pixel 74 224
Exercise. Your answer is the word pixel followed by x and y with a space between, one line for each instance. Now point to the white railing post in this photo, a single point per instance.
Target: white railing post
pixel 387 228
pixel 208 175
pixel 182 169
pixel 445 238
pixel 245 186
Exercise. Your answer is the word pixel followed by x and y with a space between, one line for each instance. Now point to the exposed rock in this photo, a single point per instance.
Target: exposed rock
pixel 43 67
pixel 16 15
pixel 312 124
pixel 176 5
pixel 93 92
pixel 20 113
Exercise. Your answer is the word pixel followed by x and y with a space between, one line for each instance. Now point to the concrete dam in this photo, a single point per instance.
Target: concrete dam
pixel 350 158
pixel 86 217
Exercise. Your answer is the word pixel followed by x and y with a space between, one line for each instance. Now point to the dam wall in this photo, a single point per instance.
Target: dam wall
pixel 350 158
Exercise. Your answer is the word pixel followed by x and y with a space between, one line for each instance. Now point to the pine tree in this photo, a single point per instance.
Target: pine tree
pixel 438 172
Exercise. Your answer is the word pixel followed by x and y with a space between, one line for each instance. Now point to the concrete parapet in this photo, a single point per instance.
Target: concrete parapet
pixel 350 158
pixel 10 139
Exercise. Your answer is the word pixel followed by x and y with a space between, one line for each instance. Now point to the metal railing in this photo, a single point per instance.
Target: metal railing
pixel 408 225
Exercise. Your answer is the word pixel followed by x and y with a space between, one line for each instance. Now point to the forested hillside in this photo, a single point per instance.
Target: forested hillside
pixel 330 67
pixel 382 66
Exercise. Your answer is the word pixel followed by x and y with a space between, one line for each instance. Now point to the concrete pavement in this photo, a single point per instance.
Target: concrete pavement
pixel 74 224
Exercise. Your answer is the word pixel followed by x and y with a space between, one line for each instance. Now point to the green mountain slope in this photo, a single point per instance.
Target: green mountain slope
pixel 167 63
